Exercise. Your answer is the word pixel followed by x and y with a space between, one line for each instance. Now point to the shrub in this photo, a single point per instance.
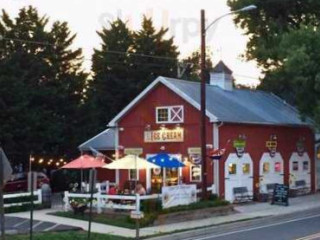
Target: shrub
pixel 23 208
pixel 23 199
pixel 151 205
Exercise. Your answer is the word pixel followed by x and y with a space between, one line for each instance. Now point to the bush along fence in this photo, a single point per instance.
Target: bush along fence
pixel 103 201
pixel 20 199
pixel 80 201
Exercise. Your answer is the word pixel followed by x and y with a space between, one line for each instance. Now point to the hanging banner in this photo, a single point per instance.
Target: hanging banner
pixel 133 151
pixel 164 135
pixel 178 195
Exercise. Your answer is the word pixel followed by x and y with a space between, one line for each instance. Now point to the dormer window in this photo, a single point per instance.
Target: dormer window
pixel 169 114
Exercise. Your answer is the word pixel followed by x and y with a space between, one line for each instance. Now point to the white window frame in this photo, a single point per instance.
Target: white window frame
pixel 169 114
pixel 137 172
pixel 192 180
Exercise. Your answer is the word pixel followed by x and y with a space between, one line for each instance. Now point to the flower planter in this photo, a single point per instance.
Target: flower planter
pixel 190 215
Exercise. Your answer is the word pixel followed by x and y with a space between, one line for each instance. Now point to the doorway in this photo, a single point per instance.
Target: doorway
pixel 238 173
pixel 300 169
pixel 271 171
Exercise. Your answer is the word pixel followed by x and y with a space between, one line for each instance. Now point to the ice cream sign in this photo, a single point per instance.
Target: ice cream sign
pixel 164 135
pixel 239 145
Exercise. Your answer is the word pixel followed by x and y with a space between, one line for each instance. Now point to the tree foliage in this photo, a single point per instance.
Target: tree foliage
pixel 284 40
pixel 41 84
pixel 126 63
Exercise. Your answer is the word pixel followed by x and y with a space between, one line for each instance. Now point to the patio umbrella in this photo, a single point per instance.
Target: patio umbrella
pixel 84 162
pixel 130 162
pixel 164 160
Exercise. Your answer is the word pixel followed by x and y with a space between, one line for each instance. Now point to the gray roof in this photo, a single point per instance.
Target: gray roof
pixel 242 106
pixel 221 67
pixel 101 142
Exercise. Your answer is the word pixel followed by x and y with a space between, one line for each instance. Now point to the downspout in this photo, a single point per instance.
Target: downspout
pixel 216 166
pixel 116 146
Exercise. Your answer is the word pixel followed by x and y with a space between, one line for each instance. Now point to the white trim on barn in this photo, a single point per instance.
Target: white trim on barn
pixel 148 89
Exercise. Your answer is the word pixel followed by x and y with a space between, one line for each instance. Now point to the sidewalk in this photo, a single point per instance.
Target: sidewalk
pixel 248 211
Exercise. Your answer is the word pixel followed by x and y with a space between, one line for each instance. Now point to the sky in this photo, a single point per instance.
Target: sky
pixel 182 17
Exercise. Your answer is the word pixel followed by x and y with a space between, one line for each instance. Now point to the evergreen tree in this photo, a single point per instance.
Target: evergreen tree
pixel 126 63
pixel 41 86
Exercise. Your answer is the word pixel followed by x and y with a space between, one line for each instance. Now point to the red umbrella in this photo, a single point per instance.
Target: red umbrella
pixel 85 162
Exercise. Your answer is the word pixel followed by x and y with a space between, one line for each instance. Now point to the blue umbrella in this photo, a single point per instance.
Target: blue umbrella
pixel 164 160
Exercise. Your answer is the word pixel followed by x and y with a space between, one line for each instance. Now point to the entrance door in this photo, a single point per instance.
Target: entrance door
pixel 238 173
pixel 159 177
pixel 300 169
pixel 271 171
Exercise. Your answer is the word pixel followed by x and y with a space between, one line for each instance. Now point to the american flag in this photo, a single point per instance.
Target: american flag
pixel 217 154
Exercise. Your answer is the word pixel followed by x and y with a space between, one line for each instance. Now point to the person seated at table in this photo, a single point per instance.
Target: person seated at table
pixel 140 189
pixel 113 190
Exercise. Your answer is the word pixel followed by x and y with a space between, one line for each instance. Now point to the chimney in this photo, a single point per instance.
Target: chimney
pixel 221 76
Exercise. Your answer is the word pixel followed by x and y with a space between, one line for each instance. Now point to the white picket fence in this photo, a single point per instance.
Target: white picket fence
pixel 104 201
pixel 125 202
pixel 37 193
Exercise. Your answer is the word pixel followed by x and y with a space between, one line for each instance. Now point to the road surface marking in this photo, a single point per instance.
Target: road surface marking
pixel 36 225
pixel 20 223
pixel 310 237
pixel 52 227
pixel 253 228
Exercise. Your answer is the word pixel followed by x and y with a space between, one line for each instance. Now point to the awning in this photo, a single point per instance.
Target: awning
pixel 101 142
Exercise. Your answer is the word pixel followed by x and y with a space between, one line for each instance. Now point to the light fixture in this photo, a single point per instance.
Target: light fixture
pixel 41 160
pixel 148 127
pixel 162 127
pixel 162 148
pixel 61 160
pixel 57 163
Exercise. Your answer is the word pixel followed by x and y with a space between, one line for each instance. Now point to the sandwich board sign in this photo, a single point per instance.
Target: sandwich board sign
pixel 280 195
pixel 4 163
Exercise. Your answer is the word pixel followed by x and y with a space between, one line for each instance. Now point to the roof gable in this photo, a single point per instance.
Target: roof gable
pixel 168 84
pixel 237 106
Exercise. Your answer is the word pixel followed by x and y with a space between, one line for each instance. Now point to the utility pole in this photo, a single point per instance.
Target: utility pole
pixel 2 221
pixel 203 107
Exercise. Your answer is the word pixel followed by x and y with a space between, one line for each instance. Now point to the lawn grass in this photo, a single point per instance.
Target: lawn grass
pixel 151 208
pixel 72 235
pixel 119 220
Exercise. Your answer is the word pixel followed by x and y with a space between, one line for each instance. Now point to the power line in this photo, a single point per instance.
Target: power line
pixel 26 41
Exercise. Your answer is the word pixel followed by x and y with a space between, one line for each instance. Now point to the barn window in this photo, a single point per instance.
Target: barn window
pixel 305 166
pixel 232 168
pixel 169 114
pixel 266 167
pixel 277 167
pixel 295 166
pixel 195 171
pixel 133 174
pixel 246 168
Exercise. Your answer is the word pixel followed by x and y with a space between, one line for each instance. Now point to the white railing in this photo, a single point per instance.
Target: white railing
pixel 125 202
pixel 103 201
pixel 37 193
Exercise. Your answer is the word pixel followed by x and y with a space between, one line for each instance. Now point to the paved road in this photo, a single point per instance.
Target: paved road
pixel 302 226
pixel 16 225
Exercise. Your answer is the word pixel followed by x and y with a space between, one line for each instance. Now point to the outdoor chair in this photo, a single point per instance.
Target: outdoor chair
pixel 241 194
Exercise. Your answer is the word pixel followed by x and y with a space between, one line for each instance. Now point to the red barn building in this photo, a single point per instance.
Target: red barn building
pixel 266 141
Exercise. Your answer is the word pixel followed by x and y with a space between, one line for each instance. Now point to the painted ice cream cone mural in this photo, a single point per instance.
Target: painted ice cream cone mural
pixel 240 144
pixel 272 145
